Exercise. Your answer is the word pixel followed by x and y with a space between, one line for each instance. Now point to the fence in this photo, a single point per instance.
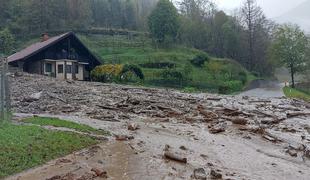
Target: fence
pixel 5 100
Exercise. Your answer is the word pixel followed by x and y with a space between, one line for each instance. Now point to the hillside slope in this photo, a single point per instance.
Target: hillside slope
pixel 215 75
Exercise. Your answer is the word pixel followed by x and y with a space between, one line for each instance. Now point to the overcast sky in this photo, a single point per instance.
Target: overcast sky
pixel 272 8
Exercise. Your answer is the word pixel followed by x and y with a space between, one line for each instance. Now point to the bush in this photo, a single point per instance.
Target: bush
pixel 190 90
pixel 200 60
pixel 134 69
pixel 172 74
pixel 115 72
pixel 230 86
pixel 107 72
pixel 242 76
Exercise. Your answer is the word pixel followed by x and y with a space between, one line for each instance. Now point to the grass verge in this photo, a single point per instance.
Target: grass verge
pixel 294 93
pixel 45 121
pixel 24 147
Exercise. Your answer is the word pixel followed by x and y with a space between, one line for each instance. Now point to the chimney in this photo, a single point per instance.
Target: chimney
pixel 44 37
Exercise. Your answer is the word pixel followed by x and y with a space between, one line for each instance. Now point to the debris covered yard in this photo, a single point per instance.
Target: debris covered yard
pixel 165 134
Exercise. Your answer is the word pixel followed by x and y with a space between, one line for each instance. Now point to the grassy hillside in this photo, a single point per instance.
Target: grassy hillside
pixel 163 66
pixel 226 76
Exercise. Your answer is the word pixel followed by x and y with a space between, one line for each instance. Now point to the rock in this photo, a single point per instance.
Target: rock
pixel 18 74
pixel 99 172
pixel 183 148
pixel 133 127
pixel 217 129
pixel 123 137
pixel 33 97
pixel 215 175
pixel 200 173
pixel 292 152
pixel 63 160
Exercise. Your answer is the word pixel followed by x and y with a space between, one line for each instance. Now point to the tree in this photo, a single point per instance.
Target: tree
pixel 6 42
pixel 290 48
pixel 164 22
pixel 252 15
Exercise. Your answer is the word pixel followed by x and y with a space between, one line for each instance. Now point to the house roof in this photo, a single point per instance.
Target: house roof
pixel 39 46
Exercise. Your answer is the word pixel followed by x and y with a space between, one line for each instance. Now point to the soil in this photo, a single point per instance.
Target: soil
pixel 221 137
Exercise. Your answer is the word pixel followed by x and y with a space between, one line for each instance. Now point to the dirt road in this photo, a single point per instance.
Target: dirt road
pixel 224 137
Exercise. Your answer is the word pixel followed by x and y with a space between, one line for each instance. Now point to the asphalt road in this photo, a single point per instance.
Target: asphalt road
pixel 264 89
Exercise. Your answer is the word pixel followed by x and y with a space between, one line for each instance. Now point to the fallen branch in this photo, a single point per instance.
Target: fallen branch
pixel 175 157
pixel 107 107
pixel 260 101
pixel 214 99
pixel 291 115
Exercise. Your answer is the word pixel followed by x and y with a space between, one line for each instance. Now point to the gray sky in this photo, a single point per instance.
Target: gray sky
pixel 272 8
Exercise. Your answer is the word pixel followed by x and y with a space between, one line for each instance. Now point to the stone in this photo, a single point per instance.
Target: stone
pixel 200 173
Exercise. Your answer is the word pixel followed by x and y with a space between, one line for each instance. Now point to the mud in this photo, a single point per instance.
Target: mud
pixel 268 144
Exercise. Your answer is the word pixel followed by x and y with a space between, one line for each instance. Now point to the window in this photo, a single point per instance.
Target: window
pixel 69 69
pixel 76 69
pixel 60 68
pixel 48 67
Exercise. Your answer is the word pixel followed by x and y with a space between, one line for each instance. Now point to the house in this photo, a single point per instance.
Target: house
pixel 62 57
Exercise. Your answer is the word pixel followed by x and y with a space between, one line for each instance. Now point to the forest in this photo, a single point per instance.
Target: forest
pixel 245 36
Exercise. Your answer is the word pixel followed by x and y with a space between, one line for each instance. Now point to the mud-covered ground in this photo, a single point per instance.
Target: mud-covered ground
pixel 211 136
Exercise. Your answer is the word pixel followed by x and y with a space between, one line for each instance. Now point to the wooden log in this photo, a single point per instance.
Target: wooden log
pixel 214 99
pixel 260 101
pixel 296 114
pixel 175 157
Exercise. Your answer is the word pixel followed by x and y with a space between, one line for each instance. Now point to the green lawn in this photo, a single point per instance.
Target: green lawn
pixel 24 147
pixel 45 121
pixel 294 93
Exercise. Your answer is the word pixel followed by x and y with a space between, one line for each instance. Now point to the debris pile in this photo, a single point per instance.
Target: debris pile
pixel 277 121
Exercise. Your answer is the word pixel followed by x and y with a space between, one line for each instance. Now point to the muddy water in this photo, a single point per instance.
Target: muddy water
pixel 235 154
pixel 113 157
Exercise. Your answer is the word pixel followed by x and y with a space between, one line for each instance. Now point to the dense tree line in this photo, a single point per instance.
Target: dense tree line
pixel 244 36
pixel 32 16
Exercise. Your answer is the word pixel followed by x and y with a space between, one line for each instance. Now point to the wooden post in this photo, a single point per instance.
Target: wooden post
pixel 2 90
pixel 7 93
pixel 65 69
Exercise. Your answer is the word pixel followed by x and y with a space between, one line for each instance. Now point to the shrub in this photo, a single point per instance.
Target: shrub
pixel 190 90
pixel 115 72
pixel 242 76
pixel 107 72
pixel 134 69
pixel 215 67
pixel 200 60
pixel 230 86
pixel 172 74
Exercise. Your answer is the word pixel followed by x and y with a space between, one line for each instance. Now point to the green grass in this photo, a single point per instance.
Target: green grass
pixel 24 147
pixel 45 121
pixel 294 93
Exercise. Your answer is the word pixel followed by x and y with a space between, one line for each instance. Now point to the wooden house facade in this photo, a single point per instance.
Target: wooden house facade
pixel 62 57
